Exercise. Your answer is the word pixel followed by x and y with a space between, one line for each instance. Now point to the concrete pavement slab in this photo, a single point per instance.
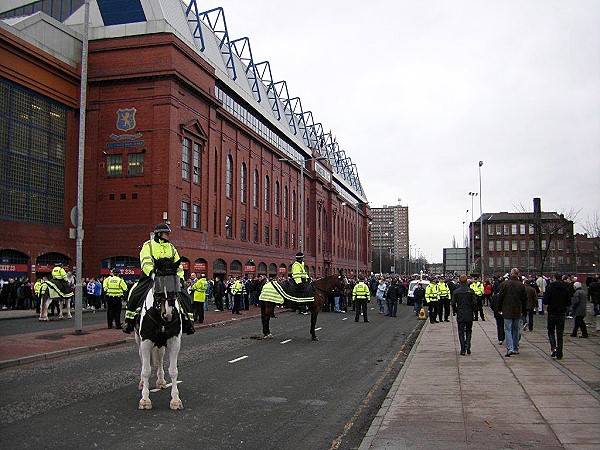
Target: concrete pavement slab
pixel 529 400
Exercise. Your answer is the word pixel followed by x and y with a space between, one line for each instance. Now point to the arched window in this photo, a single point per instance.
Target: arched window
pixel 229 177
pixel 285 202
pixel 267 189
pixel 244 183
pixel 293 205
pixel 276 200
pixel 255 189
pixel 262 268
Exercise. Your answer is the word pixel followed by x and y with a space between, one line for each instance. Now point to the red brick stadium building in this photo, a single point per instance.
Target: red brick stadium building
pixel 182 125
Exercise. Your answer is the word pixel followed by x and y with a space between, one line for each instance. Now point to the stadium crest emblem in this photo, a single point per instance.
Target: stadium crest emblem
pixel 126 119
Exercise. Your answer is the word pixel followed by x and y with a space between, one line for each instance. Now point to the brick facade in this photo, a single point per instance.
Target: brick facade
pixel 172 90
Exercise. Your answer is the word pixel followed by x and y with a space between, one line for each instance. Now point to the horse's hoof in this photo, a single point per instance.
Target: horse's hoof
pixel 69 316
pixel 268 336
pixel 161 384
pixel 176 404
pixel 145 404
pixel 43 319
pixel 314 338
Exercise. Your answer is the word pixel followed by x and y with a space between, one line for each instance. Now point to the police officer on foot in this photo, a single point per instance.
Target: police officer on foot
pixel 158 249
pixel 432 296
pixel 361 296
pixel 114 288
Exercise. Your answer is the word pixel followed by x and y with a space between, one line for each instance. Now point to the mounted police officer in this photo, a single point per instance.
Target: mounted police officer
pixel 158 256
pixel 300 281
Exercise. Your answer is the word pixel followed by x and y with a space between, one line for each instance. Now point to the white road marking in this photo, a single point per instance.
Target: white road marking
pixel 167 386
pixel 317 329
pixel 345 318
pixel 285 342
pixel 238 359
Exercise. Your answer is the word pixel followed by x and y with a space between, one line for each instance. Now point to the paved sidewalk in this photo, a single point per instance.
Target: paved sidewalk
pixel 47 344
pixel 485 400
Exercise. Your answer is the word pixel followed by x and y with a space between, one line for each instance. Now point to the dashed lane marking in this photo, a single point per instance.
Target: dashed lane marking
pixel 285 342
pixel 317 329
pixel 345 318
pixel 238 359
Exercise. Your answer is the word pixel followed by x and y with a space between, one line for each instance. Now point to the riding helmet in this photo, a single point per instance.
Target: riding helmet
pixel 299 255
pixel 162 228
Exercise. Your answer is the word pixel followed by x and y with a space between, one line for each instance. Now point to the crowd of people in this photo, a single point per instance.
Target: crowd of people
pixel 514 299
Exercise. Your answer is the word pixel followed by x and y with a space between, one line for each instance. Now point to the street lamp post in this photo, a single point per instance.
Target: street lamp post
pixel 380 247
pixel 481 223
pixel 80 175
pixel 472 244
pixel 465 238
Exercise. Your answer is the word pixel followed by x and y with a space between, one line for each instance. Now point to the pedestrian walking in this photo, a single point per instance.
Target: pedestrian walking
pixel 532 302
pixel 380 294
pixel 512 300
pixel 557 300
pixel 579 307
pixel 464 303
pixel 393 296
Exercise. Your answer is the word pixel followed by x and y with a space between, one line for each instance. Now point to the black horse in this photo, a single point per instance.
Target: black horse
pixel 323 287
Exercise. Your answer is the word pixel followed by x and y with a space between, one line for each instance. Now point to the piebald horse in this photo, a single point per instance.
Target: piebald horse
pixel 159 331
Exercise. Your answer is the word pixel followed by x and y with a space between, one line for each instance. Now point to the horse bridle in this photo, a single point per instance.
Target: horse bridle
pixel 154 305
pixel 323 291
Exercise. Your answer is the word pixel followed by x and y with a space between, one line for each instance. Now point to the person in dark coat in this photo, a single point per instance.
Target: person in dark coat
pixel 531 304
pixel 512 305
pixel 218 292
pixel 393 295
pixel 419 298
pixel 464 302
pixel 557 300
pixel 579 307
pixel 497 315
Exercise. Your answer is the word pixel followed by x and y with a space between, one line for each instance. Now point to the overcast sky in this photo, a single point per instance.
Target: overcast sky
pixel 417 92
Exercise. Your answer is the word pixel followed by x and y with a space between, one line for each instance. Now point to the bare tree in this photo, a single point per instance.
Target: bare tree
pixel 550 228
pixel 592 228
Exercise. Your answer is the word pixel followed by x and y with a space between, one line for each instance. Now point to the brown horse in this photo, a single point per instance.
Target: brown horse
pixel 323 287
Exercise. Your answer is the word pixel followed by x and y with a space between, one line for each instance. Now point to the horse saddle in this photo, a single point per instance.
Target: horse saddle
pixel 277 292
